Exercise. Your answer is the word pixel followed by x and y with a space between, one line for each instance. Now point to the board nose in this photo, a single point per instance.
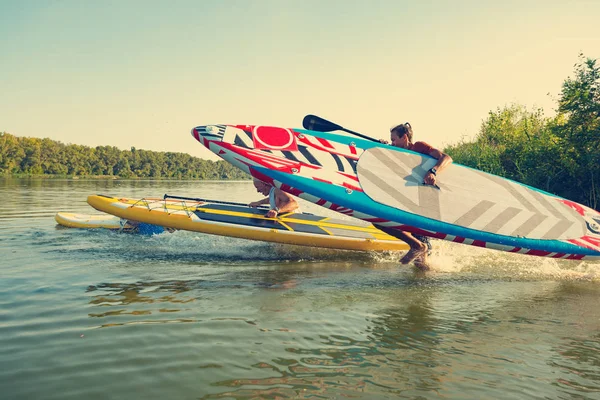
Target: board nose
pixel 204 133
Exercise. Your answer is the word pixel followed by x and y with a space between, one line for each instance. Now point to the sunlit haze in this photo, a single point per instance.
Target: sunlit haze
pixel 143 73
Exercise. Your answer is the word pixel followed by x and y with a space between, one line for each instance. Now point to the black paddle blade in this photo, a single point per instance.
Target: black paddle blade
pixel 314 123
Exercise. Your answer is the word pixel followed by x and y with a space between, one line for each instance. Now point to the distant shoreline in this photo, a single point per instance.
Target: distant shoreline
pixel 112 177
pixel 48 159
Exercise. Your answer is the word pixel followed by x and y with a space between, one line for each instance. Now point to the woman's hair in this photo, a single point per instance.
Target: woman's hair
pixel 403 129
pixel 258 182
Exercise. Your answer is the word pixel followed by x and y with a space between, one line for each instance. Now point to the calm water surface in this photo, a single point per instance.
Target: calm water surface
pixel 97 314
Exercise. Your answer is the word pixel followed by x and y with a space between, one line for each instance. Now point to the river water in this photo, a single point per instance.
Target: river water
pixel 97 314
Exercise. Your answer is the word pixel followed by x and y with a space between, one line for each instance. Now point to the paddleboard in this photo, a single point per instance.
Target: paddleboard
pixel 382 185
pixel 86 221
pixel 241 221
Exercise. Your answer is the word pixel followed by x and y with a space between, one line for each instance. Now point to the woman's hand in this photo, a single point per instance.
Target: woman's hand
pixel 429 178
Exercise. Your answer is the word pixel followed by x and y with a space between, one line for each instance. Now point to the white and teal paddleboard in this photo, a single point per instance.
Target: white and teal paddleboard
pixel 383 185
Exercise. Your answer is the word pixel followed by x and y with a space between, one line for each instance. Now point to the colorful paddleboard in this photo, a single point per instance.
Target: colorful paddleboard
pixel 74 220
pixel 238 220
pixel 382 185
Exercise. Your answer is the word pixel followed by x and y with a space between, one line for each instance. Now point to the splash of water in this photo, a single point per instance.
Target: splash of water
pixel 451 257
pixel 446 259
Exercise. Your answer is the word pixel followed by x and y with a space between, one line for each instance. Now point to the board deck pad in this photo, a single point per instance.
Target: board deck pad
pixel 466 197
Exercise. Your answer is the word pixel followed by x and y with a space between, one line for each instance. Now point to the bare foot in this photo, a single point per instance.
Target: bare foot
pixel 413 253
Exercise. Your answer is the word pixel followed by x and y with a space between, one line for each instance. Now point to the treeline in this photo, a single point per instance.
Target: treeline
pixel 560 155
pixel 34 156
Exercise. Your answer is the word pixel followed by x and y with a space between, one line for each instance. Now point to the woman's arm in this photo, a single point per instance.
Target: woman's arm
pixel 259 202
pixel 443 161
pixel 285 202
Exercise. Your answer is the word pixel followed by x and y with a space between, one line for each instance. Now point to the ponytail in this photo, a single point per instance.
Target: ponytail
pixel 403 129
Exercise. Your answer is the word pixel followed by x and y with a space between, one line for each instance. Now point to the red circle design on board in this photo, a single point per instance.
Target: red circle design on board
pixel 273 137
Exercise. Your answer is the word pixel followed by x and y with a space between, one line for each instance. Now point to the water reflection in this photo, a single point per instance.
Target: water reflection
pixel 578 362
pixel 326 338
pixel 174 296
pixel 140 299
pixel 413 349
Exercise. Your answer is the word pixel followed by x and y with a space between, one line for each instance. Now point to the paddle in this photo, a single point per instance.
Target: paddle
pixel 166 196
pixel 231 203
pixel 314 123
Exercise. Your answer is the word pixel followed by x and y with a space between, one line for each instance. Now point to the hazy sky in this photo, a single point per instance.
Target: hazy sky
pixel 143 73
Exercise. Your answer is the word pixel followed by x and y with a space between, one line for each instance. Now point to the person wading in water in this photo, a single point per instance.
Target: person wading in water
pixel 402 136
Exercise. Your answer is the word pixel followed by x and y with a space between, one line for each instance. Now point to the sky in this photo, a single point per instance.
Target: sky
pixel 144 73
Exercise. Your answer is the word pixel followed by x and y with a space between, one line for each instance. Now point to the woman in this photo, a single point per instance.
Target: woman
pixel 402 136
pixel 279 201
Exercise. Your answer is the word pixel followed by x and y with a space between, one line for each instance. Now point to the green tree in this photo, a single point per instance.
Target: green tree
pixel 505 143
pixel 35 156
pixel 578 128
pixel 11 154
pixel 560 155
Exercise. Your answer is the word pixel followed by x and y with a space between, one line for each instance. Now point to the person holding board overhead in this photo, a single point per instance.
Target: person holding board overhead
pixel 402 136
pixel 279 201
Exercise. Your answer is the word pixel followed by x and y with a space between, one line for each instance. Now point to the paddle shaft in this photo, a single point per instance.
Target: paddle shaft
pixel 231 203
pixel 361 135
pixel 316 123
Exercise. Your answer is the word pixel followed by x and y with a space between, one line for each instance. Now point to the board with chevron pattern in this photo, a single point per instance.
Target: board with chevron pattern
pixel 383 185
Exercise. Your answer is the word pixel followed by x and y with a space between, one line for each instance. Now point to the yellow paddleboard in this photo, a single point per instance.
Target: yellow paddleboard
pixel 241 221
pixel 73 220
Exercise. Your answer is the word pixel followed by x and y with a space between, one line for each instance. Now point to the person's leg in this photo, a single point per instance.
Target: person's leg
pixel 426 241
pixel 417 248
pixel 421 261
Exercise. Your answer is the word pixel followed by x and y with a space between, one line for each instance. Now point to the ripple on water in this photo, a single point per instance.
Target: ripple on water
pixel 186 315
